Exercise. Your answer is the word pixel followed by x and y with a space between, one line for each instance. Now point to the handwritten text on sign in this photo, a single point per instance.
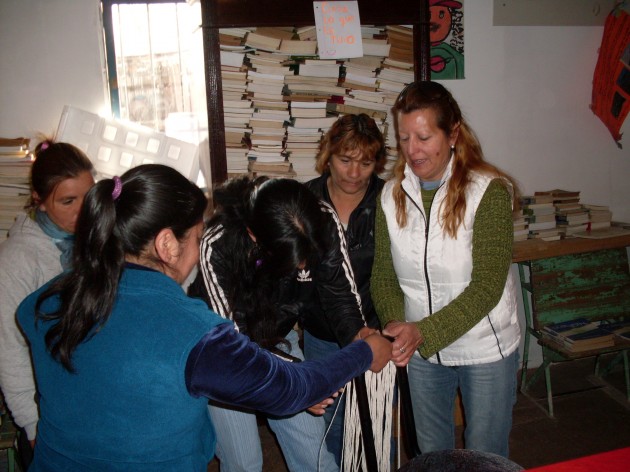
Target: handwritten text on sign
pixel 338 29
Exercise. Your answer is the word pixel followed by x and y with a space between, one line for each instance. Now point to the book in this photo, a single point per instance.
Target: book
pixel 261 41
pixel 298 47
pixel 266 123
pixel 343 108
pixel 230 58
pixel 579 335
pixel 603 233
pixel 542 225
pixel 376 47
pixel 323 123
pixel 306 33
pixel 620 328
pixel 364 79
pixel 540 218
pixel 278 32
pixel 265 88
pixel 546 234
pixel 256 166
pixel 560 196
pixel 319 70
pixel 298 112
pixel 314 89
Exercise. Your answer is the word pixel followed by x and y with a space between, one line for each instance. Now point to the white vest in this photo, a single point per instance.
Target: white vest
pixel 441 267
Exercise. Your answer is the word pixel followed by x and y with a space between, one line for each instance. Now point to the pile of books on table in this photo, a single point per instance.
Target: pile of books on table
pixel 539 214
pixel 579 335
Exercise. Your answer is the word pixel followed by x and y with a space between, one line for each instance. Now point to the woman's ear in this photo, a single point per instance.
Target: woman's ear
pixel 167 246
pixel 35 198
pixel 454 135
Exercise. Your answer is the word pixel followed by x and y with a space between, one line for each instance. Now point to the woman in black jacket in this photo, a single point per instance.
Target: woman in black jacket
pixel 351 156
pixel 273 256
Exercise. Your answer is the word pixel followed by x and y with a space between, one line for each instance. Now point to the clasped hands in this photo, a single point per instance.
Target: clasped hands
pixel 381 355
pixel 406 339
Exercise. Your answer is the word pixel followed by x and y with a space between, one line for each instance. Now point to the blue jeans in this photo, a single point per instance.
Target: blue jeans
pixel 488 394
pixel 315 348
pixel 300 436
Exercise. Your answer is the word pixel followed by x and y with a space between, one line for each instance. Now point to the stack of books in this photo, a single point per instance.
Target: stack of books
pixel 367 84
pixel 268 63
pixel 229 37
pixel 401 52
pixel 521 228
pixel 579 335
pixel 15 168
pixel 236 109
pixel 540 216
pixel 600 216
pixel 571 217
pixel 315 78
pixel 265 86
pixel 302 144
pixel 233 74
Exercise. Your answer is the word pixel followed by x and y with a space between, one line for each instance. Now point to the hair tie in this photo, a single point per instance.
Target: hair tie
pixel 117 187
pixel 44 146
pixel 258 263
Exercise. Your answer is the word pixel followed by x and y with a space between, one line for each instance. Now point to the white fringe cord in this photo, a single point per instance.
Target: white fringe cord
pixel 380 390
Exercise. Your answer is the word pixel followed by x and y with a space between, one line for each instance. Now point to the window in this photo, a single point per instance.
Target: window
pixel 155 64
pixel 155 68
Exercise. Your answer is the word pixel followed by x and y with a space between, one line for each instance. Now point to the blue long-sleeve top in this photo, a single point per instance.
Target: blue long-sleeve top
pixel 137 400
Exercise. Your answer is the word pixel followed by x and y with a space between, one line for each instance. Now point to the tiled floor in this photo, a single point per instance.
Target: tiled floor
pixel 586 421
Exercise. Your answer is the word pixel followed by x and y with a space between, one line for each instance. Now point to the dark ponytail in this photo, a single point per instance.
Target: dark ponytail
pixel 113 224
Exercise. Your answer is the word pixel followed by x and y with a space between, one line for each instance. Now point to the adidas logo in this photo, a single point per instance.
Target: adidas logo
pixel 304 276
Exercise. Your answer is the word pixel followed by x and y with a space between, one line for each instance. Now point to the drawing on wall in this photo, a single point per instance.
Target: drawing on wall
pixel 446 34
pixel 611 79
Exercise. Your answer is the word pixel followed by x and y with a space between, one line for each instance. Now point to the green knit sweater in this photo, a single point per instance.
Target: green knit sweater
pixel 491 259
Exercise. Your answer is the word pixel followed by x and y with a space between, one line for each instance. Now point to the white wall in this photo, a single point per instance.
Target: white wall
pixel 50 56
pixel 526 93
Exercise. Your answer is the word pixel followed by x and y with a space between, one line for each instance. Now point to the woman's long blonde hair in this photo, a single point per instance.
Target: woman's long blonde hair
pixel 467 153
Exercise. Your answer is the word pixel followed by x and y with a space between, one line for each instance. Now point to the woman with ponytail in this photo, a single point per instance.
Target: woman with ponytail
pixel 125 362
pixel 39 247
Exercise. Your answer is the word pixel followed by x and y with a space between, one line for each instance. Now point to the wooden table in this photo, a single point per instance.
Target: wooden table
pixel 523 253
pixel 532 249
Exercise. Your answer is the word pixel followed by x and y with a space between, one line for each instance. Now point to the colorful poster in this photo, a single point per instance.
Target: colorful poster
pixel 611 79
pixel 446 34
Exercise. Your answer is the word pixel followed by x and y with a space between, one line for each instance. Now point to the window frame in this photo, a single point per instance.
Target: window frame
pixel 110 48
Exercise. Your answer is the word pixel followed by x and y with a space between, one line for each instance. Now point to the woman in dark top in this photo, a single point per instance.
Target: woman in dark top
pixel 351 156
pixel 273 256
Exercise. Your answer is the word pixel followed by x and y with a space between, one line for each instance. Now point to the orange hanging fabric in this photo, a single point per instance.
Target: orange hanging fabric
pixel 611 80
